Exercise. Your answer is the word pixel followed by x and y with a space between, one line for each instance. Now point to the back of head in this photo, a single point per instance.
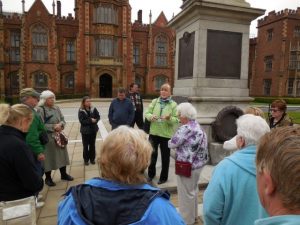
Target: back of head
pixel 251 128
pixel 11 115
pixel 279 154
pixel 121 90
pixel 254 111
pixel 125 155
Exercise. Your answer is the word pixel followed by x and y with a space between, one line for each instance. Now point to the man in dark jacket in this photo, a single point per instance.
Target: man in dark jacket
pixel 137 103
pixel 121 111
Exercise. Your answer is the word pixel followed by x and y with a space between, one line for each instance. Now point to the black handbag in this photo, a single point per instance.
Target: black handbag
pixel 43 137
pixel 146 127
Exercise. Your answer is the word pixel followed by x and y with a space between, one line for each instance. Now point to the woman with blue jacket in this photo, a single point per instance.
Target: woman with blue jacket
pixel 121 195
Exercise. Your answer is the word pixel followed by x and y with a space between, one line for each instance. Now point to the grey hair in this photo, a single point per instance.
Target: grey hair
pixel 44 95
pixel 187 110
pixel 251 128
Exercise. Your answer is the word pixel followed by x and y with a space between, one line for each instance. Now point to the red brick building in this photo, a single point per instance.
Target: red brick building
pixel 93 53
pixel 275 55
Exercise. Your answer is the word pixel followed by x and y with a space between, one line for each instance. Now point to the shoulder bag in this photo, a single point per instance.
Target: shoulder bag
pixel 147 123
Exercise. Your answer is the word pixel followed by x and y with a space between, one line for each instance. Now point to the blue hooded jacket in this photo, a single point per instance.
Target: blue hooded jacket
pixel 95 208
pixel 231 196
pixel 280 220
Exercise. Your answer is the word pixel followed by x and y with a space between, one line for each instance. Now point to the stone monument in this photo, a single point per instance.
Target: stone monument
pixel 212 51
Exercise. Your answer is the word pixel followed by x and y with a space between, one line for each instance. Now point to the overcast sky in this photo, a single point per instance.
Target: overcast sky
pixel 169 7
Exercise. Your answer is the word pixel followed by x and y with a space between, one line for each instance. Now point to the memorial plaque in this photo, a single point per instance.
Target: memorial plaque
pixel 223 56
pixel 186 56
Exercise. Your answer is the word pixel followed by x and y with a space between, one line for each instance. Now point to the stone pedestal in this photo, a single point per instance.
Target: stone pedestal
pixel 212 51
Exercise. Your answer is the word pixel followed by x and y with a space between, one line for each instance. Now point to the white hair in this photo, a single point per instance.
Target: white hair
pixel 44 95
pixel 251 128
pixel 187 110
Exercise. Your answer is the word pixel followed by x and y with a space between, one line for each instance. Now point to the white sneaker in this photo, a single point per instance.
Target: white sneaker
pixel 39 205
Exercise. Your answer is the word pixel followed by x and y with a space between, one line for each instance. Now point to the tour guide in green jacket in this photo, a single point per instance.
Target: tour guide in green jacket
pixel 162 113
pixel 30 97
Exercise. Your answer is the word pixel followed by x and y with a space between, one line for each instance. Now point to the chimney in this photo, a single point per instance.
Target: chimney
pixel 58 8
pixel 140 16
pixel 23 6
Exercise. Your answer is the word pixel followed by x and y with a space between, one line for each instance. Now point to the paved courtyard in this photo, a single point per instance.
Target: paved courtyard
pixel 48 214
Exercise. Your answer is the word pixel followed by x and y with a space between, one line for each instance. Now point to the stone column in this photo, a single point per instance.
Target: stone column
pixel 212 51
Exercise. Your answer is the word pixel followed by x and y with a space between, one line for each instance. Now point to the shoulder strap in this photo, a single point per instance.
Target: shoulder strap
pixel 154 105
pixel 46 119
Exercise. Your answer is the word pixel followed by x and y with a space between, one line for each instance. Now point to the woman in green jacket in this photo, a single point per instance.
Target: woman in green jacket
pixel 163 116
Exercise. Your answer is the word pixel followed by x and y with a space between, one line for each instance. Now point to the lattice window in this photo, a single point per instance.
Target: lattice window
pixel 39 43
pixel 161 51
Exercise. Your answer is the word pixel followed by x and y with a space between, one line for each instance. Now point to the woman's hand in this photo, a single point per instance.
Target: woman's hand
pixel 94 120
pixel 168 117
pixel 41 157
pixel 58 127
pixel 153 118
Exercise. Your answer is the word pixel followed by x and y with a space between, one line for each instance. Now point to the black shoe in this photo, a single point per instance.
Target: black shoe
pixel 86 163
pixel 93 162
pixel 50 182
pixel 67 177
pixel 161 181
pixel 149 179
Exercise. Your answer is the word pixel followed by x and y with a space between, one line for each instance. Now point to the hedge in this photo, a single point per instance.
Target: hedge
pixel 288 100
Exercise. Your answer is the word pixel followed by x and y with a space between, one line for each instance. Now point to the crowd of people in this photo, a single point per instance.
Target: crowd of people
pixel 257 184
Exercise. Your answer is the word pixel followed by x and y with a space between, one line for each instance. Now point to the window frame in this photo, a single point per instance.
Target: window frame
pixel 67 82
pixel 267 85
pixel 37 76
pixel 268 61
pixel 105 46
pixel 70 51
pixel 39 41
pixel 106 14
pixel 136 54
pixel 15 44
pixel 161 51
pixel 159 80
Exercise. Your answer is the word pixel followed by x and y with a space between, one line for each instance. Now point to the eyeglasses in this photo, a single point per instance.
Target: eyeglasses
pixel 275 110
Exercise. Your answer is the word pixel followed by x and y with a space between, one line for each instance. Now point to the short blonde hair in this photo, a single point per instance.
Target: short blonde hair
pixel 166 86
pixel 279 154
pixel 255 111
pixel 187 110
pixel 11 115
pixel 125 155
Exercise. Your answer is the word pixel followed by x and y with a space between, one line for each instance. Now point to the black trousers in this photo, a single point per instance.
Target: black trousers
pixel 89 142
pixel 138 119
pixel 165 157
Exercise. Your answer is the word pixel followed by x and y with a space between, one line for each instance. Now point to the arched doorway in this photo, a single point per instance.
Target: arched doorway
pixel 105 86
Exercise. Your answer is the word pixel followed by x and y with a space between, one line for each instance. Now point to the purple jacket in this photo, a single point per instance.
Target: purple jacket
pixel 190 142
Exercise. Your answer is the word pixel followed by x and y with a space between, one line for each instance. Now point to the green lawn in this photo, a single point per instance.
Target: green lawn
pixel 295 117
